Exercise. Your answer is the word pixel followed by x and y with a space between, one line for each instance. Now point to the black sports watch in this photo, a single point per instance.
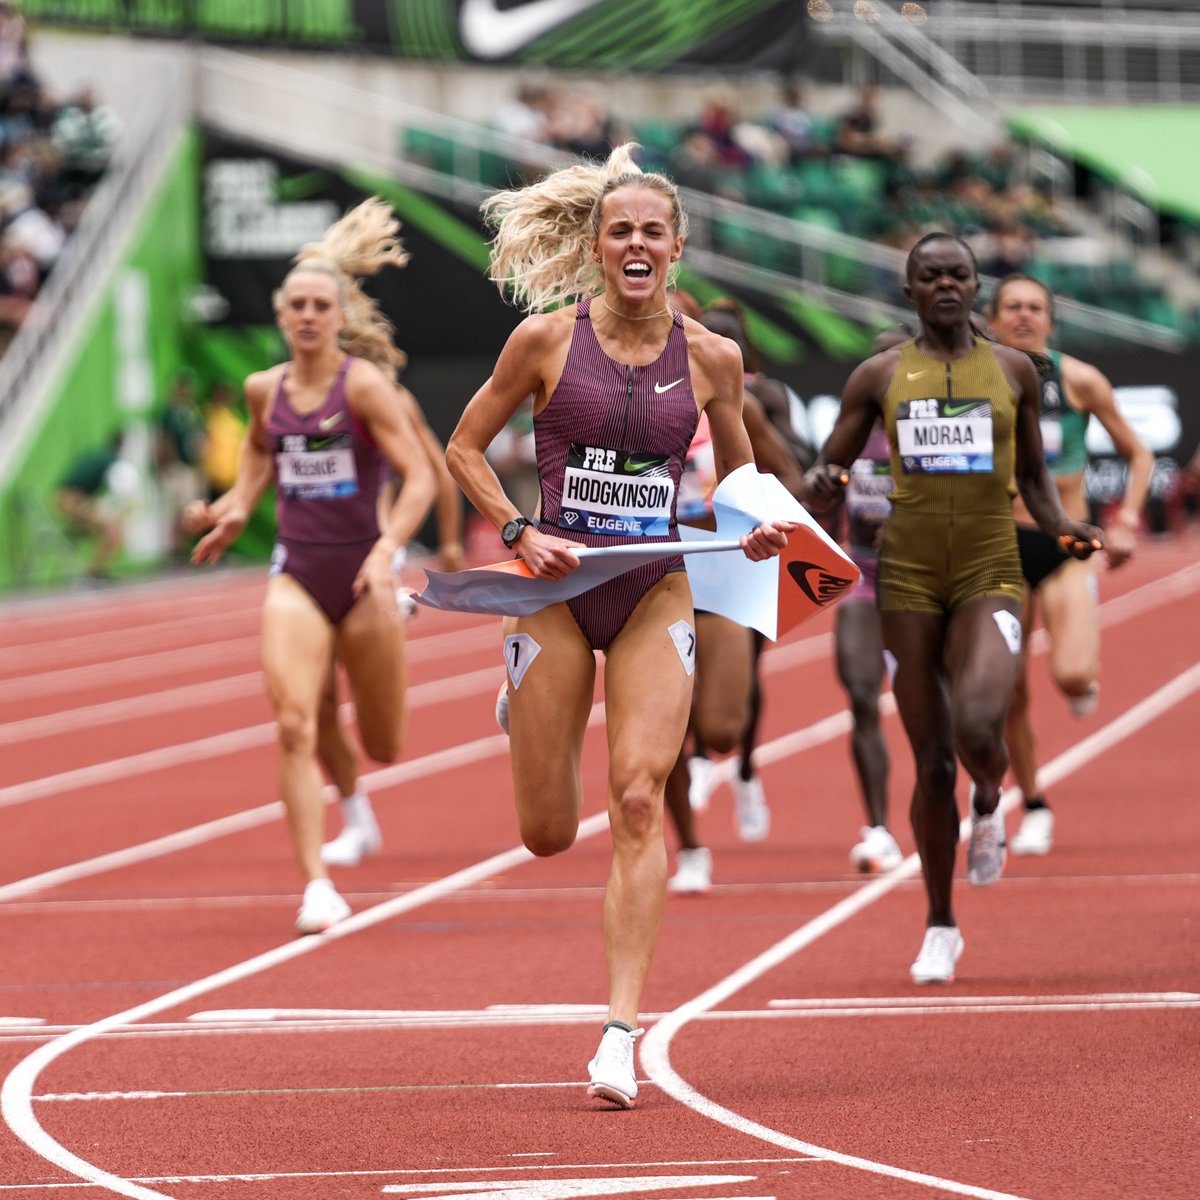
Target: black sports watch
pixel 510 535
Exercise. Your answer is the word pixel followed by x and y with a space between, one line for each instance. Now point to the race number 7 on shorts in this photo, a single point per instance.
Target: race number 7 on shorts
pixel 618 492
pixel 944 437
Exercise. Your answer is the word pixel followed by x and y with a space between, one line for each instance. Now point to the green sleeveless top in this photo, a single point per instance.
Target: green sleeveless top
pixel 1064 428
pixel 951 430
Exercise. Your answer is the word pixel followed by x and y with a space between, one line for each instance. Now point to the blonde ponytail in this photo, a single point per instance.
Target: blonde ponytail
pixel 362 243
pixel 542 251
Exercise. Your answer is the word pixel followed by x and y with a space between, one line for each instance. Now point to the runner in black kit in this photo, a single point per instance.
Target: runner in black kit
pixel 618 381
pixel 326 424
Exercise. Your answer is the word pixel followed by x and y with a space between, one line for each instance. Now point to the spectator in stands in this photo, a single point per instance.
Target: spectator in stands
pixel 223 433
pixel 179 446
pixel 84 133
pixel 857 131
pixel 14 46
pixel 792 121
pixel 717 122
pixel 85 500
pixel 583 126
pixel 697 165
pixel 528 114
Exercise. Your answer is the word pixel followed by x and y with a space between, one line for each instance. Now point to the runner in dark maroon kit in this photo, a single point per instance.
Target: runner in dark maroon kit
pixel 325 425
pixel 618 381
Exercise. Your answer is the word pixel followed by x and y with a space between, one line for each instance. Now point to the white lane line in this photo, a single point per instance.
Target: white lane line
pixel 169 663
pixel 266 1021
pixel 215 691
pixel 399 1172
pixel 17 1092
pixel 655 1047
pixel 16 1096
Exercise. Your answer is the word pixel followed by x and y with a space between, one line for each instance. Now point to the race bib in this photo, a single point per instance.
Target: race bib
pixel 868 494
pixel 315 468
pixel 1052 438
pixel 617 492
pixel 944 437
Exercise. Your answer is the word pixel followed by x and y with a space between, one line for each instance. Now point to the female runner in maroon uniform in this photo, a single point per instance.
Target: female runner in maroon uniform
pixel 618 381
pixel 326 424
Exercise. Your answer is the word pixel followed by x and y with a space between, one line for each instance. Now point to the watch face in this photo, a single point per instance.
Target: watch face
pixel 510 532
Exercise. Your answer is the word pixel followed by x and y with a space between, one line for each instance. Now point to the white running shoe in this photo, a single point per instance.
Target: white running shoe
pixel 877 852
pixel 502 707
pixel 987 849
pixel 700 781
pixel 1036 832
pixel 750 809
pixel 353 844
pixel 321 909
pixel 693 872
pixel 611 1071
pixel 941 949
pixel 1081 706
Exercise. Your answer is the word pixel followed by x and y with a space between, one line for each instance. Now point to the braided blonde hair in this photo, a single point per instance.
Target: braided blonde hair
pixel 361 243
pixel 542 251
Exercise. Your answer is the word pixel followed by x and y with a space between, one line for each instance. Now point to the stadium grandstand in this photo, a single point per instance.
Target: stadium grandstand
pixel 815 143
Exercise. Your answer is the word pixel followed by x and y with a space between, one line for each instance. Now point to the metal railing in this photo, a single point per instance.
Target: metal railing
pixel 73 288
pixel 1104 49
pixel 464 162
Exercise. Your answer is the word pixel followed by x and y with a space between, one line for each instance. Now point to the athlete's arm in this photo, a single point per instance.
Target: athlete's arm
pixel 1092 392
pixel 1033 479
pixel 771 451
pixel 226 517
pixel 372 398
pixel 449 498
pixel 718 380
pixel 776 405
pixel 860 409
pixel 529 365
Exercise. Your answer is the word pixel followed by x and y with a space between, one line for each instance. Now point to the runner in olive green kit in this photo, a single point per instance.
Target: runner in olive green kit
pixel 962 421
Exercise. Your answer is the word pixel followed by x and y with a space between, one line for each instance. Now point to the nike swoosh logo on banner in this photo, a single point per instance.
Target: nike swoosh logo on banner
pixel 330 421
pixel 666 387
pixel 828 587
pixel 489 32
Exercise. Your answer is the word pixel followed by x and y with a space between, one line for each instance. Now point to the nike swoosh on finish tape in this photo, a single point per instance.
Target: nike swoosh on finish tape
pixel 666 387
pixel 490 32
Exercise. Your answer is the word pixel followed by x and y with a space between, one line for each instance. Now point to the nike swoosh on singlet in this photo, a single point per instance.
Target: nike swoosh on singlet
pixel 634 465
pixel 490 32
pixel 957 410
pixel 330 421
pixel 666 387
pixel 910 375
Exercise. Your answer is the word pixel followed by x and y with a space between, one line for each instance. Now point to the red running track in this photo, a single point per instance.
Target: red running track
pixel 162 1034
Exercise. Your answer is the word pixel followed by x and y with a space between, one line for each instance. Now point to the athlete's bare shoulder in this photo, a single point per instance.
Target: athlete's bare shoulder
pixel 260 386
pixel 544 333
pixel 715 362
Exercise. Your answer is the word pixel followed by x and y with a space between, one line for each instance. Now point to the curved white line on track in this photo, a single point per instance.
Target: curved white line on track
pixel 656 1045
pixel 16 1096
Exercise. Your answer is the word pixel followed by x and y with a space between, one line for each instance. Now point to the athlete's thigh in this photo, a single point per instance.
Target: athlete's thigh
pixel 1071 615
pixel 724 671
pixel 551 680
pixel 920 685
pixel 859 645
pixel 983 644
pixel 297 646
pixel 648 683
pixel 370 644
